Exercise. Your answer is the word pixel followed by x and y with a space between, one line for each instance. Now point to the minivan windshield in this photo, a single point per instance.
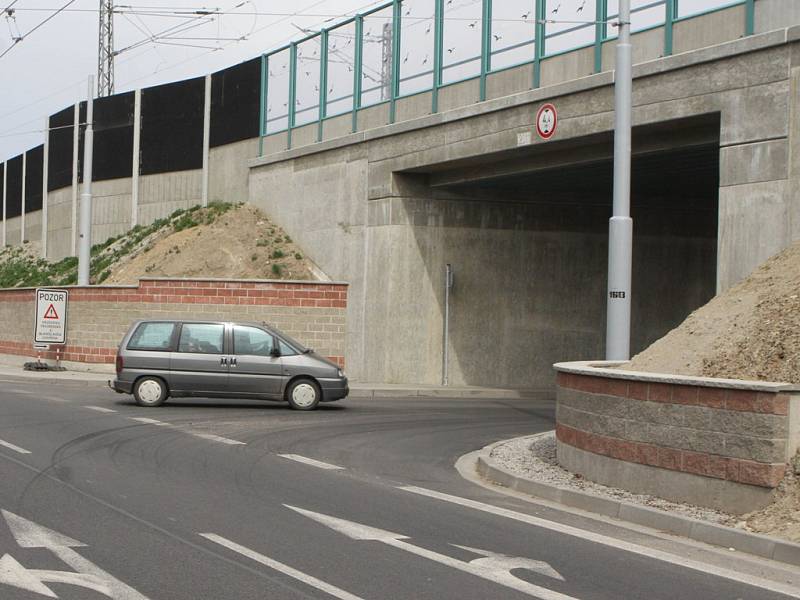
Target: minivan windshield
pixel 292 342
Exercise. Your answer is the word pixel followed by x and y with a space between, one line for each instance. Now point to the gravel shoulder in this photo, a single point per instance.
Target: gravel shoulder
pixel 534 458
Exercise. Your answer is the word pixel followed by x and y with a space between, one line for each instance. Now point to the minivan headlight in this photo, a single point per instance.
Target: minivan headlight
pixel 341 373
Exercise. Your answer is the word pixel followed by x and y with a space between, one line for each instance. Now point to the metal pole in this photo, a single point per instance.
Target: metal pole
pixel 76 129
pixel 620 227
pixel 206 138
pixel 137 144
pixel 45 168
pixel 448 284
pixel 85 241
pixel 5 194
pixel 24 192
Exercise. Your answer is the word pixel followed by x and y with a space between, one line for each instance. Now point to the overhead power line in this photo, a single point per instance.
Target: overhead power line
pixel 24 35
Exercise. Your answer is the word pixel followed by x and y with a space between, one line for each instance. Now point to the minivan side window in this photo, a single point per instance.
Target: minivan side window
pixel 251 340
pixel 205 338
pixel 152 336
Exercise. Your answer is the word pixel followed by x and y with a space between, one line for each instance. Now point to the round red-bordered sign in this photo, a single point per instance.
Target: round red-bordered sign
pixel 546 121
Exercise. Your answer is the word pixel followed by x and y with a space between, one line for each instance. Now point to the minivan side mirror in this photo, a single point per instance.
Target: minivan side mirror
pixel 276 352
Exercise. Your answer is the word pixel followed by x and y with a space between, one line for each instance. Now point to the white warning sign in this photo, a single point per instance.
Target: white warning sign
pixel 51 317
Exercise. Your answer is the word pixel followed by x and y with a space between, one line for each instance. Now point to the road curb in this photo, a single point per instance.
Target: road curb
pixel 700 531
pixel 356 391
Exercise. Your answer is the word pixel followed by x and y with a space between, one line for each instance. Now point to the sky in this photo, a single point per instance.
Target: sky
pixel 49 68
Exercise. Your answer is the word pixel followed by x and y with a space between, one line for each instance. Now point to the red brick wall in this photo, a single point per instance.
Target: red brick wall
pixel 737 435
pixel 98 316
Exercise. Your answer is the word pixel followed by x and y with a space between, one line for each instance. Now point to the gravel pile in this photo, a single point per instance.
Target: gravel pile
pixel 535 458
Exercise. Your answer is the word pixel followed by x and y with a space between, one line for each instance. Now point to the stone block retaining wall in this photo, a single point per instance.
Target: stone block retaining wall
pixel 720 443
pixel 98 316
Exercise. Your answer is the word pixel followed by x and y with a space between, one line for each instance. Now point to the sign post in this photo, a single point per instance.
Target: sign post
pixel 51 318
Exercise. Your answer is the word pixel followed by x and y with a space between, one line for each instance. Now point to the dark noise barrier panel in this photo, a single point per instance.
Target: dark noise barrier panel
pixel 172 127
pixel 59 161
pixel 113 137
pixel 14 187
pixel 34 169
pixel 235 98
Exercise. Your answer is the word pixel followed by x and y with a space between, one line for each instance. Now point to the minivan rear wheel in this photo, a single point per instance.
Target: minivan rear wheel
pixel 150 391
pixel 303 394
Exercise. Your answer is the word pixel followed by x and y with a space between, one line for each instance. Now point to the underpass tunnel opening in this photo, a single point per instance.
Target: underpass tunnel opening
pixel 530 251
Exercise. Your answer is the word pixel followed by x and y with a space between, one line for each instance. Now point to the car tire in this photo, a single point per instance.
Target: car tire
pixel 303 394
pixel 150 391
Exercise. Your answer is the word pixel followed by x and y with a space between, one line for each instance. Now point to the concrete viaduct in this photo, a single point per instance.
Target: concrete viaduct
pixel 524 221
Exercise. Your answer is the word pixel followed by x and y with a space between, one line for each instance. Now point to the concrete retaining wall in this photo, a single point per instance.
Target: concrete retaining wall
pixel 99 316
pixel 713 442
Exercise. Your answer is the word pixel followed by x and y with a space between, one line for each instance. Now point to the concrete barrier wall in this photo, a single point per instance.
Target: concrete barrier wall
pixel 98 316
pixel 712 442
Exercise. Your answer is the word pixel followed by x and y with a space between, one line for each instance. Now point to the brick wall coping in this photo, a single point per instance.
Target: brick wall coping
pixel 225 279
pixel 177 279
pixel 607 369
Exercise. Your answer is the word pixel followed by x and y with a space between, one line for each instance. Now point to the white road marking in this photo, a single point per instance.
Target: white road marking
pixel 100 409
pixel 32 580
pixel 310 461
pixel 30 535
pixel 494 570
pixel 278 566
pixel 11 446
pixel 598 538
pixel 183 429
pixel 216 438
pixel 148 421
pixel 18 391
pixel 53 398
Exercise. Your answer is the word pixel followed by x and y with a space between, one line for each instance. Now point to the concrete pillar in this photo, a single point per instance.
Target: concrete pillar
pixel 206 137
pixel 22 213
pixel 76 131
pixel 794 144
pixel 137 130
pixel 45 166
pixel 5 190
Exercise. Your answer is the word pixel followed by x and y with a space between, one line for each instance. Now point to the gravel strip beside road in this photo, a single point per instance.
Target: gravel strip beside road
pixel 534 458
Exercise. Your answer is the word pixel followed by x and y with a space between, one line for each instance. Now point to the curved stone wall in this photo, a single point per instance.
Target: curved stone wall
pixel 713 442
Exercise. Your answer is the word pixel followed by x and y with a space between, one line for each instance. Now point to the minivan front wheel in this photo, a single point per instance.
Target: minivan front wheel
pixel 303 394
pixel 150 391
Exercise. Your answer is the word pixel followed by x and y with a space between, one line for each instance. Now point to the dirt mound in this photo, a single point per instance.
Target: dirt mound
pixel 241 243
pixel 751 331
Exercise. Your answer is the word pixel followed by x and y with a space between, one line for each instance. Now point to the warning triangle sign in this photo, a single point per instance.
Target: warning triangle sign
pixel 51 313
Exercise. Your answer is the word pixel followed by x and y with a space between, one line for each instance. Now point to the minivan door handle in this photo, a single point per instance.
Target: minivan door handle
pixel 223 361
pixel 233 361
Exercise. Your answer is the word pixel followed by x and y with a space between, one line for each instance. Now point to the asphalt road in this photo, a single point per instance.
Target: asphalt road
pixel 206 499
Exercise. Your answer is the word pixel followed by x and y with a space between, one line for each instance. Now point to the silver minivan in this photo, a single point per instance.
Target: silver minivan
pixel 178 358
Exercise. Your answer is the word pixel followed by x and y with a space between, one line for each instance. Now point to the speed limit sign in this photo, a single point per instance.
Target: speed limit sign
pixel 546 121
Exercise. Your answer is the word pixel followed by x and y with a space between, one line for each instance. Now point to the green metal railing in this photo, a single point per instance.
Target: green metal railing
pixel 382 50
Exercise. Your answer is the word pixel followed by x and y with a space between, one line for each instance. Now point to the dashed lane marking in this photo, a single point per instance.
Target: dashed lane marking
pixel 590 536
pixel 11 446
pixel 183 429
pixel 310 461
pixel 282 568
pixel 100 409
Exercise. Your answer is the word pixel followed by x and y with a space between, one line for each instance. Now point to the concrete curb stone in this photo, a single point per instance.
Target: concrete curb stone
pixel 700 531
